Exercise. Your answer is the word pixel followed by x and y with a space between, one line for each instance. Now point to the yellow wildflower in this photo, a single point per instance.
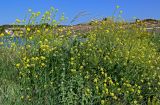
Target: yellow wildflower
pixel 1 43
pixel 102 102
pixel 18 65
pixel 28 29
pixel 2 34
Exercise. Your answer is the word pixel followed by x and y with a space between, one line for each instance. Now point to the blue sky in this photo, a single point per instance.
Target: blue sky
pixel 13 9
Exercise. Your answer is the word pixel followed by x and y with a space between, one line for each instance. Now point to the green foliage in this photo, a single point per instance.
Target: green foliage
pixel 112 64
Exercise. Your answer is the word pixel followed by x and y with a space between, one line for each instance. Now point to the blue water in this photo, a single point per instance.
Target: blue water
pixel 8 40
pixel 20 41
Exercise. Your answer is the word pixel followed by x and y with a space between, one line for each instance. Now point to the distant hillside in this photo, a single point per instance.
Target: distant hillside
pixel 3 27
pixel 150 23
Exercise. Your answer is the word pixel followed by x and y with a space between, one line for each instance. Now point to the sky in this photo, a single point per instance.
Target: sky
pixel 10 10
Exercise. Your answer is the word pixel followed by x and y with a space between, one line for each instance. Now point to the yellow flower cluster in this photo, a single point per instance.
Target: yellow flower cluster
pixel 112 62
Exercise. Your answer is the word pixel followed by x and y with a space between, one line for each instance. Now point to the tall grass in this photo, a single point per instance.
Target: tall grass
pixel 114 63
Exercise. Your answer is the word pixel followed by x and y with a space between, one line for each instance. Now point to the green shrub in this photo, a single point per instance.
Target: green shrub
pixel 113 63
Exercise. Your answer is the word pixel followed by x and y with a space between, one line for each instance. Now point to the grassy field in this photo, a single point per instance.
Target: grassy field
pixel 114 63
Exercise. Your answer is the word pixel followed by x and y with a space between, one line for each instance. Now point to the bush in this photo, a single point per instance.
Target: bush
pixel 113 63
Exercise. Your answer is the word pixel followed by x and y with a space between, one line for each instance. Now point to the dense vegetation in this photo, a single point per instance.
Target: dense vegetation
pixel 114 63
